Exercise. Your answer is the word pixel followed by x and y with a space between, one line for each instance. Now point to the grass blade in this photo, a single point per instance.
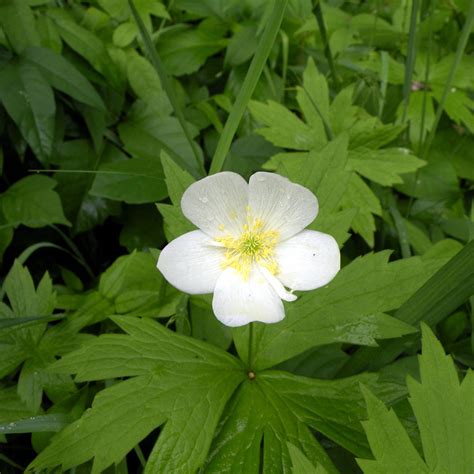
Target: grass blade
pixel 37 424
pixel 253 74
pixel 169 89
pixel 445 291
pixel 466 31
pixel 327 49
pixel 410 62
pixel 28 321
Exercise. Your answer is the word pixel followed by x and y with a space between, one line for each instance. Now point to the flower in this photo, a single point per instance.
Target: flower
pixel 250 245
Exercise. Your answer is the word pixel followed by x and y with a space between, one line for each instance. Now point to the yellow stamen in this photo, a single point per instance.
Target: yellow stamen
pixel 255 245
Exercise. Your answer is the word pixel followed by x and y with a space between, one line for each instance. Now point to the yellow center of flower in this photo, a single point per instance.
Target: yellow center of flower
pixel 254 245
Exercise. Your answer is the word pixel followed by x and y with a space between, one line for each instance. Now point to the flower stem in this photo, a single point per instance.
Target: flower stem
pixel 250 353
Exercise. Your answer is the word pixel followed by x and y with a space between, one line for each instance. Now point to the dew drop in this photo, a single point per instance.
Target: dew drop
pixel 204 199
pixel 261 179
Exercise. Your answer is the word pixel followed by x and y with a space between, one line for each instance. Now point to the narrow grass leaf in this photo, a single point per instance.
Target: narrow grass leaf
pixel 168 87
pixel 249 84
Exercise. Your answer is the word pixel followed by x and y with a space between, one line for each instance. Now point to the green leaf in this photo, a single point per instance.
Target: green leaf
pixel 350 309
pixel 142 228
pixel 282 127
pixel 86 44
pixel 313 99
pixel 301 464
pixel 259 416
pixel 448 287
pixel 63 76
pixel 33 202
pixel 11 406
pixel 175 223
pixel 18 22
pixel 134 181
pixel 81 208
pixel 383 166
pixel 137 287
pixel 442 407
pixel 272 26
pixel 177 381
pixel 177 180
pixel 37 424
pixel 145 134
pixel 29 100
pixel 146 84
pixel 184 50
pixel 358 195
pixel 390 443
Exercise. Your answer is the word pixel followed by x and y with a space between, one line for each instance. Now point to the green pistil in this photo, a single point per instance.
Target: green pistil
pixel 251 245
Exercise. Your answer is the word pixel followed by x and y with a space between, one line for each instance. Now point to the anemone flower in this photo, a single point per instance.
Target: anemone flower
pixel 250 247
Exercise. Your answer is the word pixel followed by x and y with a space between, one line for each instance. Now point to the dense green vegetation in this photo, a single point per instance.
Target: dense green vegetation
pixel 107 110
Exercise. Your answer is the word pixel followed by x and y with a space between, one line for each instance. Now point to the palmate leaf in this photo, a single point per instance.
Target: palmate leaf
pixel 177 381
pixel 334 121
pixel 443 409
pixel 185 386
pixel 350 309
pixel 278 408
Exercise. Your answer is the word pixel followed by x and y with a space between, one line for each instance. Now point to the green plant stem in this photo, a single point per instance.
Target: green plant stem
pixel 327 49
pixel 250 82
pixel 168 87
pixel 75 250
pixel 410 62
pixel 250 351
pixel 466 31
pixel 400 226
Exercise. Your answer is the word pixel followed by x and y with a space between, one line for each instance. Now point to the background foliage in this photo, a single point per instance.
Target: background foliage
pixel 106 111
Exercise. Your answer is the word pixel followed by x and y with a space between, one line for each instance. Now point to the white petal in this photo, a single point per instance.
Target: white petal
pixel 237 301
pixel 217 204
pixel 282 205
pixel 192 263
pixel 276 284
pixel 308 260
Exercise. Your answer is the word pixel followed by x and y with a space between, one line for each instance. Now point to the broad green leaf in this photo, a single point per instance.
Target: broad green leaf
pixel 29 100
pixel 443 409
pixel 135 286
pixel 242 45
pixel 36 424
pixel 81 208
pixel 448 287
pixel 313 99
pixel 33 202
pixel 147 85
pixel 358 195
pixel 205 326
pixel 11 406
pixel 18 22
pixel 324 173
pixel 301 464
pixel 257 416
pixel 177 381
pixel 175 224
pixel 86 44
pixel 142 228
pixel 282 127
pixel 350 309
pixel 390 443
pixel 145 134
pixel 63 76
pixel 134 181
pixel 383 166
pixel 184 50
pixel 177 180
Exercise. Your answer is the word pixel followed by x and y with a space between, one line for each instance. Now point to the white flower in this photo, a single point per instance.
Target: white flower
pixel 250 246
